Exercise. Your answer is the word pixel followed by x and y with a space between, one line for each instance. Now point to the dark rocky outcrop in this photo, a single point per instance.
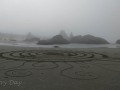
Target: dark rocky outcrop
pixel 76 39
pixel 118 41
pixel 71 36
pixel 45 42
pixel 88 39
pixel 58 39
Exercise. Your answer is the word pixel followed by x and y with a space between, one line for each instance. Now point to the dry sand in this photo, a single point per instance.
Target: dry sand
pixel 23 68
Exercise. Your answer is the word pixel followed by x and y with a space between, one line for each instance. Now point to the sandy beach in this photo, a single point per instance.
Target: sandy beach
pixel 23 68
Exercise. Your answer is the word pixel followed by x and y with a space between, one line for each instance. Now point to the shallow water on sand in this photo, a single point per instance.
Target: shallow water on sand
pixel 64 45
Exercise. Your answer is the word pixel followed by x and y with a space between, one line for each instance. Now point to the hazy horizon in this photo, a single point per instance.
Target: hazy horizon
pixel 47 17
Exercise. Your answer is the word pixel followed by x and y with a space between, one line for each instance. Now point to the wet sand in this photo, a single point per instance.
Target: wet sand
pixel 23 68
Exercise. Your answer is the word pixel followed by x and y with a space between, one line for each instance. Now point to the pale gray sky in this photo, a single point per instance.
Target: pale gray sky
pixel 48 17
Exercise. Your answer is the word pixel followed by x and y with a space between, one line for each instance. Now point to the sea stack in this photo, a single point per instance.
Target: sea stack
pixel 118 41
pixel 88 39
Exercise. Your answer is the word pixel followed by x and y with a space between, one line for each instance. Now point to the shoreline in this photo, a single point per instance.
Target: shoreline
pixel 33 45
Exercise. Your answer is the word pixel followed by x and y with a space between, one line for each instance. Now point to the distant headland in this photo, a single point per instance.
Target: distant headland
pixel 60 38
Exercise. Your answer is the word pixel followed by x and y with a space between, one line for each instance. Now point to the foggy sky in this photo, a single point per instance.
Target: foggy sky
pixel 47 17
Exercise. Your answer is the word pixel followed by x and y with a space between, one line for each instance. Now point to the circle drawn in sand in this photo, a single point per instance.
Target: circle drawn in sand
pixel 52 55
pixel 80 75
pixel 18 73
pixel 45 65
pixel 74 72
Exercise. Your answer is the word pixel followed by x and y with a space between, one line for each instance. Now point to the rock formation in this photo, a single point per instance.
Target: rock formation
pixel 71 35
pixel 45 42
pixel 64 34
pixel 118 41
pixel 58 39
pixel 76 39
pixel 88 39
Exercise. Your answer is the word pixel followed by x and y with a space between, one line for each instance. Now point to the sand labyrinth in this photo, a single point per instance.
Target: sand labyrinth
pixel 69 63
pixel 52 55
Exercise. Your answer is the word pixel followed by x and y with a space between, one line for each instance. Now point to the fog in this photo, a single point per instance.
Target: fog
pixel 47 17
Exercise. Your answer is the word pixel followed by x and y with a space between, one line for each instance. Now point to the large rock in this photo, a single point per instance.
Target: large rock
pixel 45 42
pixel 58 39
pixel 71 36
pixel 76 39
pixel 88 39
pixel 33 39
pixel 118 41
